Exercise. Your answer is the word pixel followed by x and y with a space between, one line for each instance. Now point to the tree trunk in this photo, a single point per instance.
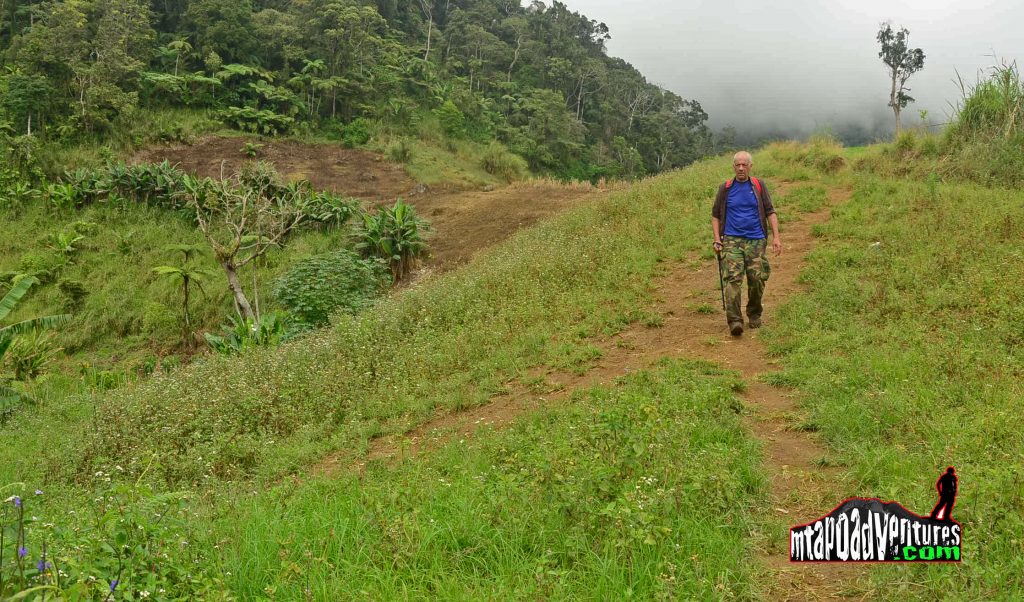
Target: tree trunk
pixel 188 320
pixel 515 57
pixel 430 30
pixel 241 302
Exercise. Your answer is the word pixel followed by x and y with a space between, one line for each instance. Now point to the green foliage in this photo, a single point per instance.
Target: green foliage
pixel 269 330
pixel 497 161
pixel 29 354
pixel 315 288
pixel 251 149
pixel 536 77
pixel 395 235
pixel 257 121
pixel 356 133
pixel 525 505
pixel 399 150
pixel 138 544
pixel 64 242
pixel 453 122
pixel 984 140
pixel 822 153
pixel 329 210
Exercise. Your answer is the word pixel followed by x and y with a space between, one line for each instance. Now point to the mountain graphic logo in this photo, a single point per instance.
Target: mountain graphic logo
pixel 870 530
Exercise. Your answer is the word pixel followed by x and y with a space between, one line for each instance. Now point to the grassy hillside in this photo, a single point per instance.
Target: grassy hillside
pixel 904 350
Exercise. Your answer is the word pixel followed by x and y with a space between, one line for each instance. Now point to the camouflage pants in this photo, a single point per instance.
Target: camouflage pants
pixel 739 256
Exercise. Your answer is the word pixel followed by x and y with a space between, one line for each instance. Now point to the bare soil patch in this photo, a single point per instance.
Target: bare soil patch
pixel 463 222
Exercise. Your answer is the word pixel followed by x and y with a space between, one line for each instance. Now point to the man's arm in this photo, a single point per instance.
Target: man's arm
pixel 773 221
pixel 716 217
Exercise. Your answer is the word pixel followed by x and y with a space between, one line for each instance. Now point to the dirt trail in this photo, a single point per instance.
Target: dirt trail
pixel 463 222
pixel 802 487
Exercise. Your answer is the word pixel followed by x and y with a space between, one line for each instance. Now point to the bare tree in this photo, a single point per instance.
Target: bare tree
pixel 243 218
pixel 902 62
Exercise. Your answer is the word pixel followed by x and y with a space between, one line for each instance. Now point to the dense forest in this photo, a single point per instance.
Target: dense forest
pixel 537 77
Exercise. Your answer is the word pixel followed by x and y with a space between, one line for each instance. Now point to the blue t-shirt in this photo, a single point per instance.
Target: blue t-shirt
pixel 741 215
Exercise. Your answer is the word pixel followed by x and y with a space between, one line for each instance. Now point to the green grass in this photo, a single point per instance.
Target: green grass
pixel 129 315
pixel 644 490
pixel 448 343
pixel 905 351
pixel 907 354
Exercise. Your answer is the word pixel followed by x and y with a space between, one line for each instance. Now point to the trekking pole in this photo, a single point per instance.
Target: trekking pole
pixel 721 282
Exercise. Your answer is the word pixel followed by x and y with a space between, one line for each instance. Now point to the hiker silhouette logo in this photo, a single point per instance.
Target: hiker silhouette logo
pixel 870 530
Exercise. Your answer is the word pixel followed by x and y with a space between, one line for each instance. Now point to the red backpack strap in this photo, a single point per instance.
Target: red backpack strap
pixel 757 185
pixel 728 183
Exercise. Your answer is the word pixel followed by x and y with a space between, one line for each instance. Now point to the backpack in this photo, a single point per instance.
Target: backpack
pixel 757 185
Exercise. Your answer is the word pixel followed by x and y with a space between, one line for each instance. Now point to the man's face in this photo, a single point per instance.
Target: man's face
pixel 741 166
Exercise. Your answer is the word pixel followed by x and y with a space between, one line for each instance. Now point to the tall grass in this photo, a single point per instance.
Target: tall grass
pixel 645 490
pixel 908 352
pixel 986 138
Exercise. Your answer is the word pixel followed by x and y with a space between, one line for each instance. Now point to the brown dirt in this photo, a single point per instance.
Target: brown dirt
pixel 802 486
pixel 463 222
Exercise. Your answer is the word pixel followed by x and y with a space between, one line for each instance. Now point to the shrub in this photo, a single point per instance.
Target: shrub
pixel 73 294
pixel 498 161
pixel 453 122
pixel 356 133
pixel 906 142
pixel 239 335
pixel 29 354
pixel 395 235
pixel 43 267
pixel 399 150
pixel 317 287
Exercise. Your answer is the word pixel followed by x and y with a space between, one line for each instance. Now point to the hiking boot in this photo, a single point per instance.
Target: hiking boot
pixel 736 328
pixel 754 323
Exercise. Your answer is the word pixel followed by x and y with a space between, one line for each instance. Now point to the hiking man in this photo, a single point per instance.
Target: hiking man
pixel 739 220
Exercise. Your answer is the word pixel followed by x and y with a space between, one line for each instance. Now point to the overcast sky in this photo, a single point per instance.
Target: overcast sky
pixel 803 64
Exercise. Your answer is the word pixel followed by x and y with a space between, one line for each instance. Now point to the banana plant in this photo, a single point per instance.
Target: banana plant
pixel 9 302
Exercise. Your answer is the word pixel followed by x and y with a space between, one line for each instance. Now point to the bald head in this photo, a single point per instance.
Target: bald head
pixel 741 163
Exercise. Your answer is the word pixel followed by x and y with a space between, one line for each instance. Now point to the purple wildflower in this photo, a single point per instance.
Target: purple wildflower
pixel 17 502
pixel 42 565
pixel 113 585
pixel 22 552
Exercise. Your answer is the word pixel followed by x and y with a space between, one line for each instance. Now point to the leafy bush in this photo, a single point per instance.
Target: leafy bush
pixel 251 149
pixel 822 152
pixel 269 330
pixel 356 133
pixel 498 161
pixel 29 354
pixel 395 235
pixel 453 121
pixel 42 266
pixel 328 209
pixel 317 287
pixel 73 294
pixel 257 121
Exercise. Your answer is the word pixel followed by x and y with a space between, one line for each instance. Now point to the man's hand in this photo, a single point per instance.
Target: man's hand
pixel 718 247
pixel 777 246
